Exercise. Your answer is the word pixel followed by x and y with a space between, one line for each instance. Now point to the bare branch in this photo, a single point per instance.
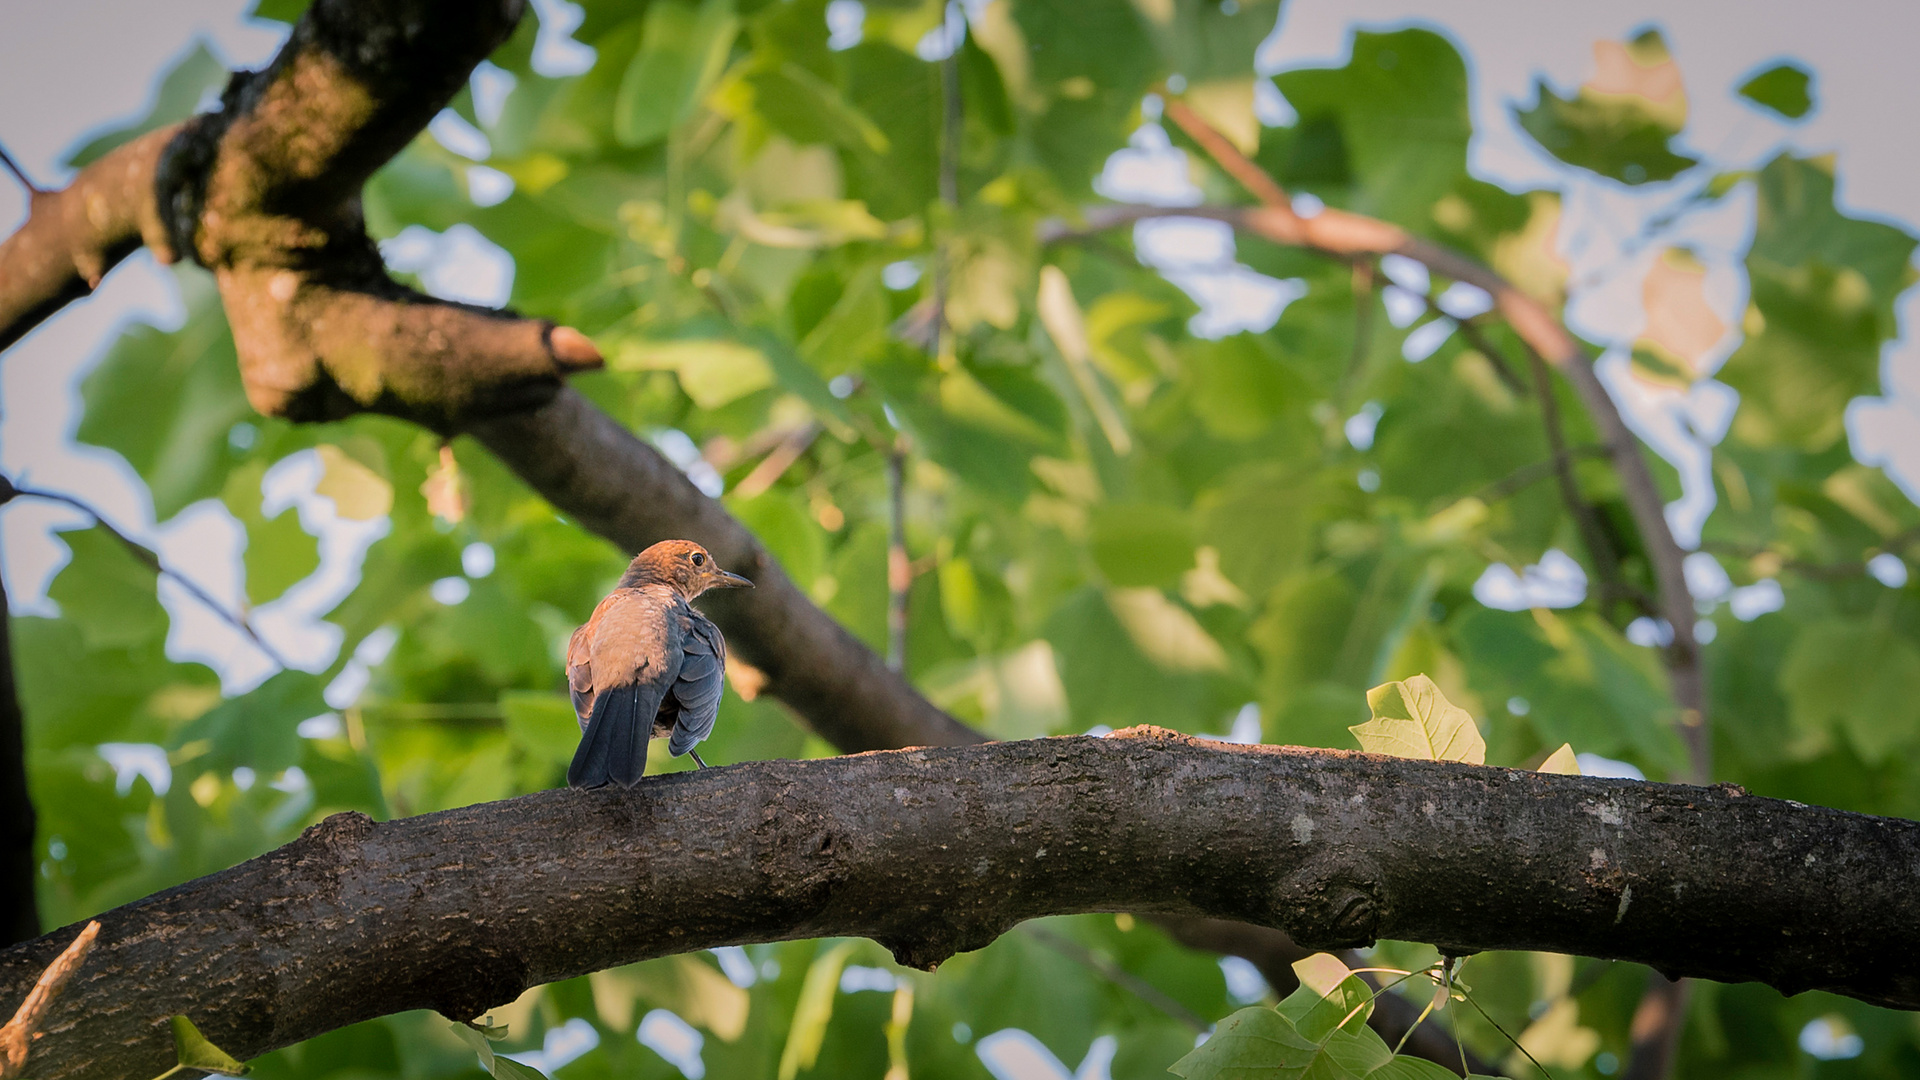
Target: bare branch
pixel 1221 150
pixel 74 236
pixel 1346 235
pixel 265 194
pixel 938 850
pixel 18 173
pixel 1606 560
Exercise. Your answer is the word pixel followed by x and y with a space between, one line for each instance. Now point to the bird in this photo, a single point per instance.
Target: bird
pixel 647 665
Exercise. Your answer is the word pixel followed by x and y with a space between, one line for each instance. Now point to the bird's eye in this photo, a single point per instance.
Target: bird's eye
pixel 699 559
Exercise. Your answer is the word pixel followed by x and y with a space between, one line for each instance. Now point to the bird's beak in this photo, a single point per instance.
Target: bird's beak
pixel 727 579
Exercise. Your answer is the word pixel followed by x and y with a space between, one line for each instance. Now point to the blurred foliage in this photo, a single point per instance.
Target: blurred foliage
pixel 1137 526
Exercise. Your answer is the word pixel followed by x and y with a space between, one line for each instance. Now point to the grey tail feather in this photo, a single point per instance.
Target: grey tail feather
pixel 614 748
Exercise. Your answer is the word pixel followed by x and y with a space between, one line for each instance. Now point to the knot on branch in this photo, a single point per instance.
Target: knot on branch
pixel 1344 913
pixel 266 194
pixel 338 833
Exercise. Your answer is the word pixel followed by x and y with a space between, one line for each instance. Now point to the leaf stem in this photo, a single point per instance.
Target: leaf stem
pixel 146 557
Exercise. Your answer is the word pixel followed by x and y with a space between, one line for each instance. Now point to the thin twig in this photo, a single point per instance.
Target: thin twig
pixel 151 561
pixel 1364 272
pixel 1532 473
pixel 778 461
pixel 16 1038
pixel 19 173
pixel 899 565
pixel 1477 337
pixel 1345 235
pixel 1613 584
pixel 1118 975
pixel 1468 998
pixel 1251 176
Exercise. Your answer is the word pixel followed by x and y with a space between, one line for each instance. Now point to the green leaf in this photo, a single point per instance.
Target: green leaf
pixel 779 519
pixel 279 551
pixel 1253 1044
pixel 1140 545
pixel 712 371
pixel 682 51
pixel 1240 387
pixel 1583 683
pixel 195 1052
pixel 1615 139
pixel 166 401
pixel 498 1067
pixel 178 95
pixel 258 728
pixel 1824 285
pixel 809 109
pixel 1619 124
pixel 1394 120
pixel 541 723
pixel 1854 677
pixel 1262 1044
pixel 1783 88
pixel 107 592
pixel 1329 998
pixel 1414 719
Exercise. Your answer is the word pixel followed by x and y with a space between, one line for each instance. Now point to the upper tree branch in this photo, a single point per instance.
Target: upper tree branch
pixel 1345 234
pixel 73 237
pixel 933 851
pixel 265 193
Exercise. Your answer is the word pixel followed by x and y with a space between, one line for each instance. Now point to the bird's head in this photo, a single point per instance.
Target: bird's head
pixel 684 565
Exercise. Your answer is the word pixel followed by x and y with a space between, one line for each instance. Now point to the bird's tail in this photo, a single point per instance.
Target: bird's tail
pixel 613 750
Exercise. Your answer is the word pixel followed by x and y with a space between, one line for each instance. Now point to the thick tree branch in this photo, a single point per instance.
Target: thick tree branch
pixel 938 850
pixel 265 193
pixel 73 237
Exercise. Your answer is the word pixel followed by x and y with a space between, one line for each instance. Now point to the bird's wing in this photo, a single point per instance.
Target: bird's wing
pixel 580 669
pixel 633 654
pixel 703 673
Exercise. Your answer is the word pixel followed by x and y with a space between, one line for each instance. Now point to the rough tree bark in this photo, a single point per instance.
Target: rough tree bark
pixel 933 851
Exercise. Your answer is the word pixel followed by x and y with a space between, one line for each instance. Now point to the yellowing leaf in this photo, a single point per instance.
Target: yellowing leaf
pixel 1413 719
pixel 534 173
pixel 709 1000
pixel 1531 257
pixel 814 1009
pixel 358 493
pixel 1322 973
pixel 1060 313
pixel 712 371
pixel 1682 326
pixel 1640 72
pixel 194 1051
pixel 1556 1039
pixel 1227 104
pixel 1165 632
pixel 1561 761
